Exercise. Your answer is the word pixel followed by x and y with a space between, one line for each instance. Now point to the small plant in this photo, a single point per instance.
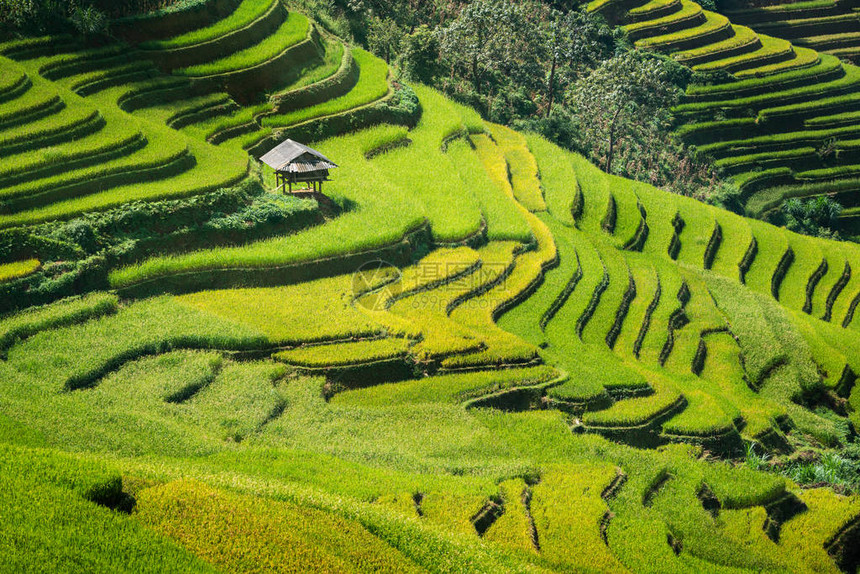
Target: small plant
pixel 89 21
pixel 52 155
pixel 831 469
pixel 816 216
pixel 754 460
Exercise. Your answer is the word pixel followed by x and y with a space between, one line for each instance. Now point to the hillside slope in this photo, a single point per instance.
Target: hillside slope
pixel 486 355
pixel 786 126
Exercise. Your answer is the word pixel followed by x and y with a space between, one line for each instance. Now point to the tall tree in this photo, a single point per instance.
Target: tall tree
pixel 627 98
pixel 576 42
pixel 494 41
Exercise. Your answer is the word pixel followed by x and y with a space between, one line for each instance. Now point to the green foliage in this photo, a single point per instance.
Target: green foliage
pixel 421 55
pixel 622 111
pixel 619 101
pixel 88 21
pixel 37 16
pixel 831 469
pixel 815 216
pixel 493 38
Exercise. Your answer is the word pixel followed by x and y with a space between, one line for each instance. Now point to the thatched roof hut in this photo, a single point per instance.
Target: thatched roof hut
pixel 297 163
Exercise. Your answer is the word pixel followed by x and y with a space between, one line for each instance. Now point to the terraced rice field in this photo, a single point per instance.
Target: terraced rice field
pixel 769 128
pixel 828 26
pixel 518 364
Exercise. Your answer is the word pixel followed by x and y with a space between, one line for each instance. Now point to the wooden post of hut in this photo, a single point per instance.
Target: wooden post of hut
pixel 296 163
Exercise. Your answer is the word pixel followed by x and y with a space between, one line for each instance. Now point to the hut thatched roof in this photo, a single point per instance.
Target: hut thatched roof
pixel 293 157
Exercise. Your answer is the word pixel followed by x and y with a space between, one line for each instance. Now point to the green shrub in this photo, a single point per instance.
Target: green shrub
pixel 816 216
pixel 832 469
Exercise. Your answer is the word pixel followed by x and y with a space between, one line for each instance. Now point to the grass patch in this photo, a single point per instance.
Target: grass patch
pixel 60 314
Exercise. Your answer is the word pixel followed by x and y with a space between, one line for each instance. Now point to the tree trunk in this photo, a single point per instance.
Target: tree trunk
pixel 608 168
pixel 479 33
pixel 611 151
pixel 551 86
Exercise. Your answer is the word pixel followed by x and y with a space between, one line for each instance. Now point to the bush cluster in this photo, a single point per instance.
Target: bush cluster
pixel 87 17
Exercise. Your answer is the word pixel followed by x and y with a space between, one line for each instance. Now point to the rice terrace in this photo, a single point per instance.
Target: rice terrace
pixel 430 286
